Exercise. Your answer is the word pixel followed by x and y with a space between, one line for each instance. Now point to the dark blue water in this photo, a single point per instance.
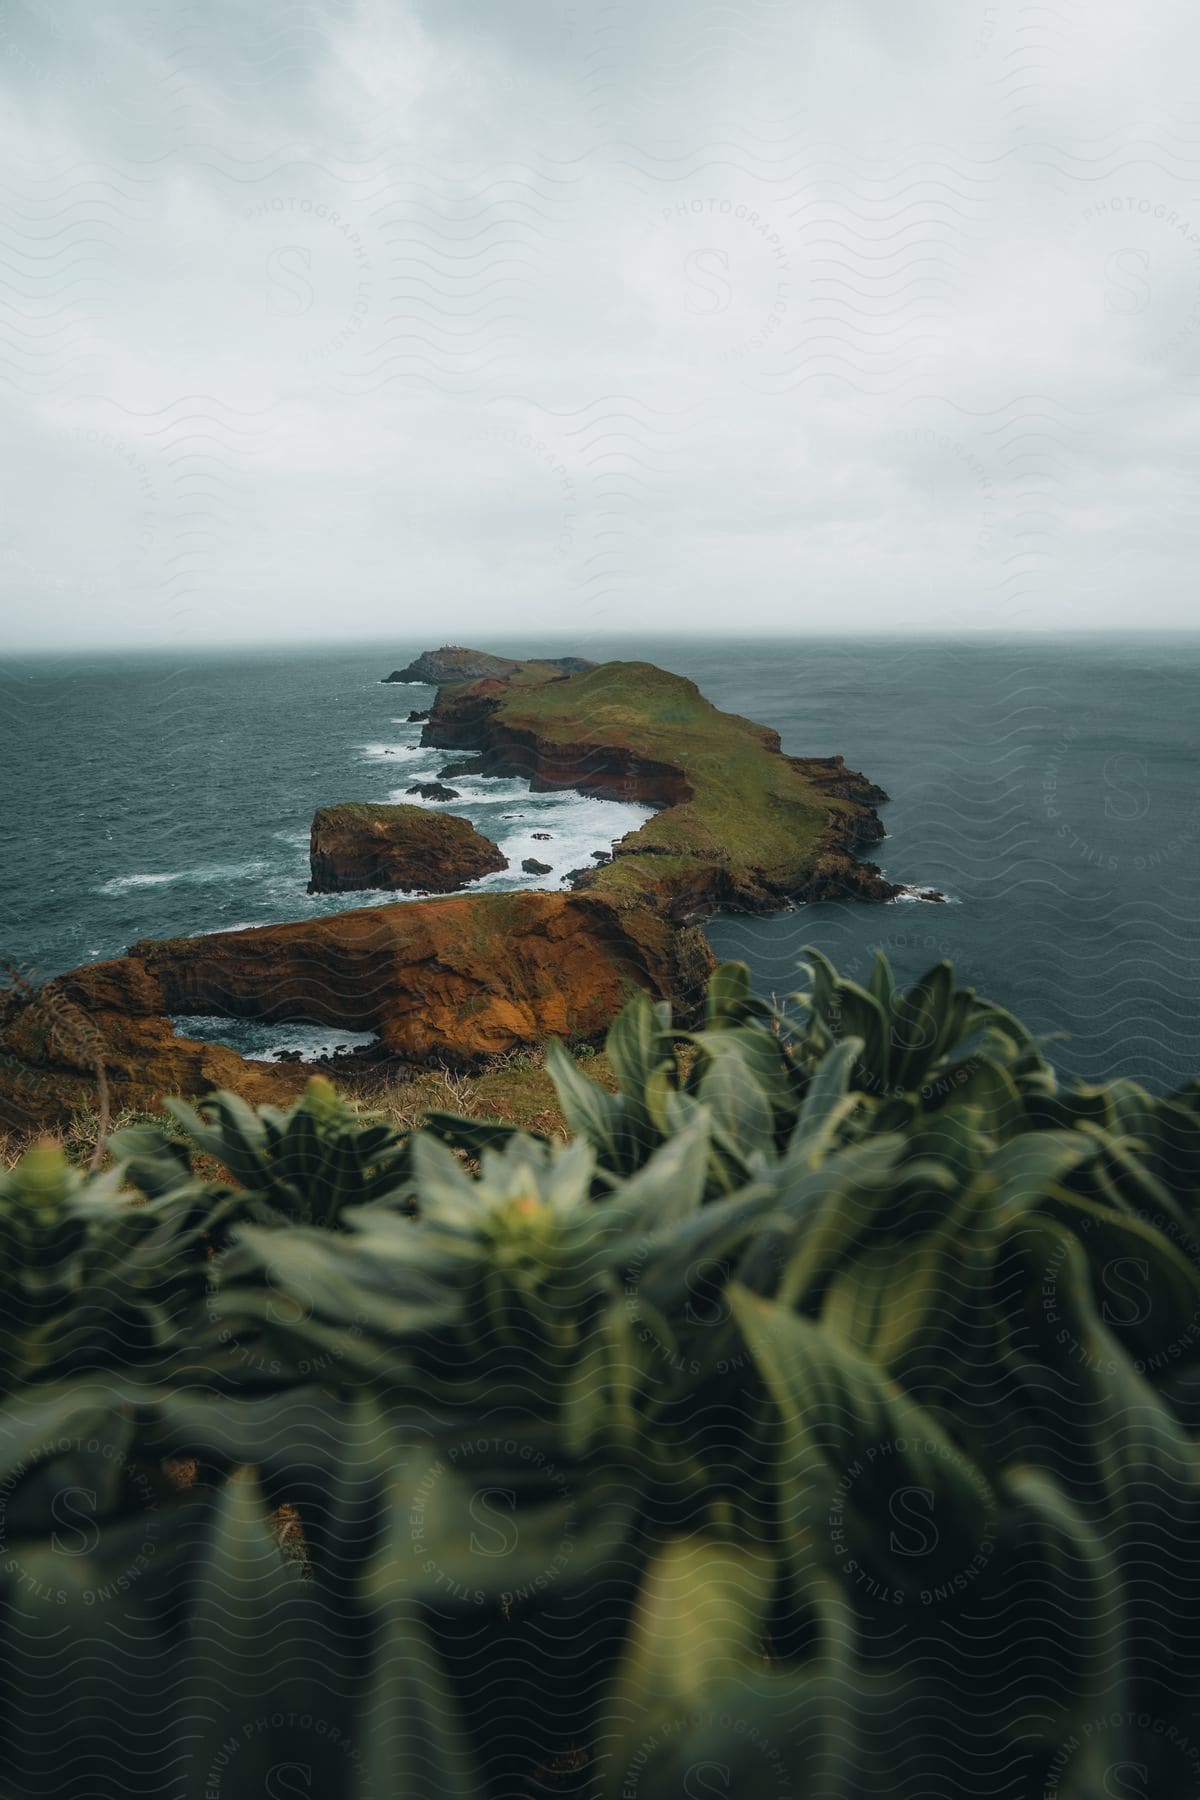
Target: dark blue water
pixel 1049 788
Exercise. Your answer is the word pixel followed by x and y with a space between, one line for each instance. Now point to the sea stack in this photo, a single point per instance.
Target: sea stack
pixel 408 849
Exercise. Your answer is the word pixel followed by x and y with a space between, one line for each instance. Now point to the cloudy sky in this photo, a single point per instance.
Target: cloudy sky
pixel 437 319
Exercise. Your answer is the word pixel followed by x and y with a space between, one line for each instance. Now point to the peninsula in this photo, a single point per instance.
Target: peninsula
pixel 738 824
pixel 454 981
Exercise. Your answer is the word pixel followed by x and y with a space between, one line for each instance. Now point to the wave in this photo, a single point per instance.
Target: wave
pixel 204 874
pixel 916 893
pixel 258 1042
pixel 376 752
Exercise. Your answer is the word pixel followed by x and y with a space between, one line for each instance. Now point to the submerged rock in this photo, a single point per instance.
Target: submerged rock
pixel 919 893
pixel 405 848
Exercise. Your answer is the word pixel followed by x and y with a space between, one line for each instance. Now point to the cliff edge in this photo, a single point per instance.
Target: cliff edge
pixel 738 824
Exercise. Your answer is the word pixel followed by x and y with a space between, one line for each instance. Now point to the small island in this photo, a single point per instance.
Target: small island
pixel 408 849
pixel 455 662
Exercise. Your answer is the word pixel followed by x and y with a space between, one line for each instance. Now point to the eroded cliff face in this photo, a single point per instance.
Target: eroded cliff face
pixel 472 718
pixel 445 981
pixel 407 849
pixel 46 1075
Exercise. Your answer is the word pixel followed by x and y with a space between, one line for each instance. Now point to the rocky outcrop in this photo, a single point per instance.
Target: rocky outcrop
pixel 455 662
pixel 47 1075
pixel 738 824
pixel 433 790
pixel 532 866
pixel 447 981
pixel 404 848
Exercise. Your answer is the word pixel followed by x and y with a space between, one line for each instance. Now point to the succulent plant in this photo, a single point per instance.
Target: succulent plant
pixel 821 1419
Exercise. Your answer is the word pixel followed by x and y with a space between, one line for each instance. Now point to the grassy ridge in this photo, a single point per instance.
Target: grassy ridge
pixel 751 809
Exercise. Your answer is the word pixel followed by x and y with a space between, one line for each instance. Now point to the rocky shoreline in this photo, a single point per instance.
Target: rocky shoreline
pixel 455 981
pixel 452 982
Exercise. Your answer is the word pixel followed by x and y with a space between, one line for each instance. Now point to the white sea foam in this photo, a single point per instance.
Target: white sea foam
pixel 258 1042
pixel 205 873
pixel 121 883
pixel 578 825
pixel 917 893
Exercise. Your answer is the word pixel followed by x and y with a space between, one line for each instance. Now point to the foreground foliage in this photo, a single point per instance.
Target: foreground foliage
pixel 820 1420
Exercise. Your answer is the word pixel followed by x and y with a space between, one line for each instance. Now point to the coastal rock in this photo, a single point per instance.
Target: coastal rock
pixel 404 848
pixel 544 836
pixel 532 866
pixel 433 790
pixel 45 1076
pixel 470 765
pixel 737 823
pixel 450 981
pixel 455 662
pixel 417 715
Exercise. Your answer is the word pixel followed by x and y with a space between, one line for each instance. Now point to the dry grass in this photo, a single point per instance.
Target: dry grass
pixel 71 1032
pixel 514 1088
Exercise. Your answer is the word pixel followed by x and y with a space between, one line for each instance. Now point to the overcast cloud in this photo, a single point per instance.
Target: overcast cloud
pixel 461 320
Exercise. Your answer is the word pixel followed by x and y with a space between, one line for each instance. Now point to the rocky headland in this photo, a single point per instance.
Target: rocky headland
pixel 737 823
pixel 407 849
pixel 456 662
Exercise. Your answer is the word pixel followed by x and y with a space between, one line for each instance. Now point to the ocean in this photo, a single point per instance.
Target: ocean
pixel 1046 786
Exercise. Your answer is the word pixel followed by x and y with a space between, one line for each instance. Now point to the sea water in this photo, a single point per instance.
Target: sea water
pixel 1047 787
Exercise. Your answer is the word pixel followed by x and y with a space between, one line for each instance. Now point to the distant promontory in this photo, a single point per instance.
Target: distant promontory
pixel 737 823
pixel 455 662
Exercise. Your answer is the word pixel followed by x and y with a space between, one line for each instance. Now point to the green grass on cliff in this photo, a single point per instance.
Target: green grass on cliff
pixel 750 807
pixel 410 818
